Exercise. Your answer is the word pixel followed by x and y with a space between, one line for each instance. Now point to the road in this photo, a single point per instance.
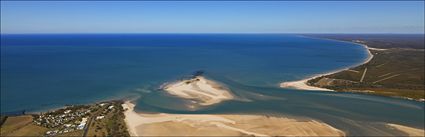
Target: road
pixel 364 73
pixel 86 129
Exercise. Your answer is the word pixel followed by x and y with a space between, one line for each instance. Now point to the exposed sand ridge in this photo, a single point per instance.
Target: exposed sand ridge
pixel 200 89
pixel 408 130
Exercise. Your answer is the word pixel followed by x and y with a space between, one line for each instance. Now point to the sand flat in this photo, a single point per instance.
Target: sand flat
pixel 409 130
pixel 200 89
pixel 221 125
pixel 301 85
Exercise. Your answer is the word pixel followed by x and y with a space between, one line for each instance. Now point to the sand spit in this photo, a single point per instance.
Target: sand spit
pixel 200 89
pixel 378 49
pixel 221 125
pixel 302 84
pixel 408 130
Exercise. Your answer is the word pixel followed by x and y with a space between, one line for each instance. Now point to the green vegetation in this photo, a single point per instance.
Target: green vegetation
pixel 110 122
pixel 103 119
pixel 395 72
pixel 383 41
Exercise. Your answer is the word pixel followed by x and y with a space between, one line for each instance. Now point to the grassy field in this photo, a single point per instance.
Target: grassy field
pixel 21 126
pixel 76 133
pixel 396 71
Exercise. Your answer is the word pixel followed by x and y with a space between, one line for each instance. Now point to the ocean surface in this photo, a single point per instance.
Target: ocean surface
pixel 46 71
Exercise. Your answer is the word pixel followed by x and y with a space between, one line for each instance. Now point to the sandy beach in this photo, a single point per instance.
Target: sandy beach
pixel 140 124
pixel 302 84
pixel 199 89
pixel 408 130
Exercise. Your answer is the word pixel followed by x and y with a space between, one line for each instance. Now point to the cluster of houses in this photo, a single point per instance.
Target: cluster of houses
pixel 51 120
pixel 105 111
pixel 70 119
pixel 68 128
pixel 63 121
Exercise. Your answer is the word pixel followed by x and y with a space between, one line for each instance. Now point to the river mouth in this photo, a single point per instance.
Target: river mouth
pixel 251 66
pixel 330 108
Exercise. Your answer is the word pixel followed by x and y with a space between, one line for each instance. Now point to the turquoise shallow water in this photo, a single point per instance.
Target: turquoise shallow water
pixel 40 72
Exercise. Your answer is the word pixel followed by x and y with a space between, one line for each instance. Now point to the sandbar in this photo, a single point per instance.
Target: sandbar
pixel 141 124
pixel 206 92
pixel 408 130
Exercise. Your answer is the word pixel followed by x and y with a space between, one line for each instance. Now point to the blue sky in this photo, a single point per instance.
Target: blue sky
pixel 212 17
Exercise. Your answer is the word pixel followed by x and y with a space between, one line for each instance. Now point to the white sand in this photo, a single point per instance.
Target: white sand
pixel 200 89
pixel 302 84
pixel 408 130
pixel 221 125
pixel 378 49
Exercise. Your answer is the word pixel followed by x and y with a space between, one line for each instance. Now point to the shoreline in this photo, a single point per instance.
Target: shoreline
pixel 164 124
pixel 302 84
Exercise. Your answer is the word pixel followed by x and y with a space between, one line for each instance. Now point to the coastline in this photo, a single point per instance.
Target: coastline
pixel 162 124
pixel 166 124
pixel 302 84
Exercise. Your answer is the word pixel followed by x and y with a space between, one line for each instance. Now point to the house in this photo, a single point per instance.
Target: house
pixel 100 117
pixel 82 123
pixel 67 111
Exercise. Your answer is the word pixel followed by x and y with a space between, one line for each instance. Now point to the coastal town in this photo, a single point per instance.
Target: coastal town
pixel 100 119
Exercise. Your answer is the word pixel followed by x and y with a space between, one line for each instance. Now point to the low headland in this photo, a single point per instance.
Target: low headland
pixel 394 68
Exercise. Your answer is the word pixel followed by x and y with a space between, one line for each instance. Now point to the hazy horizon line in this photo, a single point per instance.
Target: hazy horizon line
pixel 198 33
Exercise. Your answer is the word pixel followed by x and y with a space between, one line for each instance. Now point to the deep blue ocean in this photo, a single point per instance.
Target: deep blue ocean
pixel 45 71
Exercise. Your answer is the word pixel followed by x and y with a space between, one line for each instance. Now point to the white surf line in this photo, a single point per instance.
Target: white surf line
pixel 386 78
pixel 378 49
pixel 364 73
